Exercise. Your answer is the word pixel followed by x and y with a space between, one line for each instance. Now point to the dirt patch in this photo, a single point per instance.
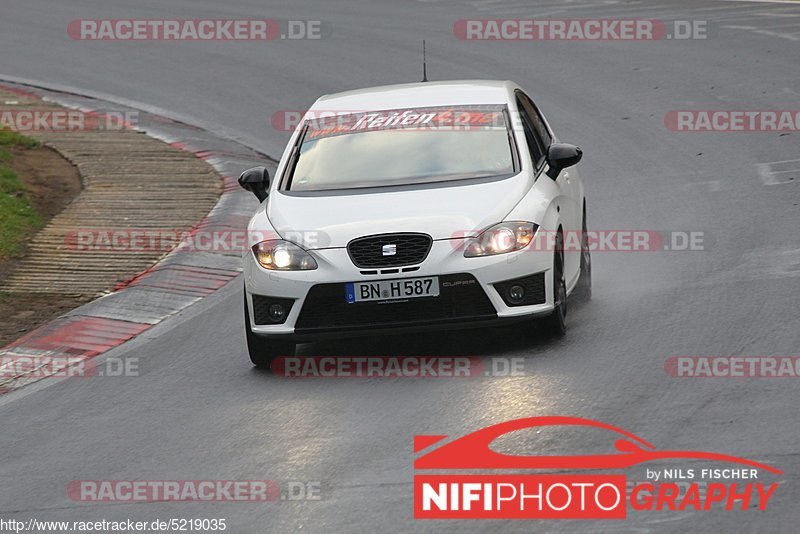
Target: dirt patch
pixel 23 313
pixel 51 183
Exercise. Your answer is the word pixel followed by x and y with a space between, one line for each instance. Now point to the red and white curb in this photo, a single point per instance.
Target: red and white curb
pixel 179 280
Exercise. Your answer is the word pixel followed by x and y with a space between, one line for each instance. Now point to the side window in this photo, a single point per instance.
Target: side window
pixel 541 128
pixel 531 137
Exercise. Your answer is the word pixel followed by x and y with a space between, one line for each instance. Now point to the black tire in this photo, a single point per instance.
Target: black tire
pixel 584 289
pixel 555 324
pixel 262 350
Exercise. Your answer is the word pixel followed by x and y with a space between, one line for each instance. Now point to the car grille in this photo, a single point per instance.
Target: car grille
pixel 534 290
pixel 460 298
pixel 368 252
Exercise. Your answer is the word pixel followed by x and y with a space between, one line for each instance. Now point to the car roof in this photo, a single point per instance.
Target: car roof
pixel 422 94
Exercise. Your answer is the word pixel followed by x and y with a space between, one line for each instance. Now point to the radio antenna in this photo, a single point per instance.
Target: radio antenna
pixel 424 63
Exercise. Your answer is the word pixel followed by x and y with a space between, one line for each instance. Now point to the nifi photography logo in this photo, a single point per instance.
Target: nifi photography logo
pixel 740 484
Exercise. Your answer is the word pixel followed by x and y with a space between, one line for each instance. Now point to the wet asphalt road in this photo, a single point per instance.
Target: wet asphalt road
pixel 199 411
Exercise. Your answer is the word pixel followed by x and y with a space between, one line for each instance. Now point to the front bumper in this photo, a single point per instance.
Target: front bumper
pixel 469 296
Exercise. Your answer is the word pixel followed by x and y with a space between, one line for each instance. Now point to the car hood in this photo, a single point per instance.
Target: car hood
pixel 443 211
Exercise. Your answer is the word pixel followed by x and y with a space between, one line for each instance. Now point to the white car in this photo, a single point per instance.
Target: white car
pixel 409 208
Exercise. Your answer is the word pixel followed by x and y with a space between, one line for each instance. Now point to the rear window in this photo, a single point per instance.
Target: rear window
pixel 401 147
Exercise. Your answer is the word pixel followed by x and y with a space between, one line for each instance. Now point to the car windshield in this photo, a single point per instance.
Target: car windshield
pixel 401 147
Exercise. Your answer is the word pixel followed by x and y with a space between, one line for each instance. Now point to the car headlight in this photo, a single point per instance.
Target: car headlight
pixel 501 238
pixel 279 255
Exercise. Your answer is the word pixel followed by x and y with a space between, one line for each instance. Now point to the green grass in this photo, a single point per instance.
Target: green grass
pixel 12 138
pixel 18 218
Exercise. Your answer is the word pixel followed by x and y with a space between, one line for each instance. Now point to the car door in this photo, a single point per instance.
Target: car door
pixel 539 138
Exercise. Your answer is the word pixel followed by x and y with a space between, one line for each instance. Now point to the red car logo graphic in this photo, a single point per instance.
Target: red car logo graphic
pixel 473 450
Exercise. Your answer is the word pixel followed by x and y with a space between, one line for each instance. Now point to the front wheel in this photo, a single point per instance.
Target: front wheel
pixel 555 324
pixel 262 350
pixel 584 289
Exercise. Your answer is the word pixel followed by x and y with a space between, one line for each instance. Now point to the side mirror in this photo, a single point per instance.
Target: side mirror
pixel 256 180
pixel 560 156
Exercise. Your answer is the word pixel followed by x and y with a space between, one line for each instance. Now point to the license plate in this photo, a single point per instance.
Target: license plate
pixel 407 288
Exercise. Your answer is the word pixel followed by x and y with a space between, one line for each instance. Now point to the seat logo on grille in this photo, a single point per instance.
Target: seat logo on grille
pixel 389 250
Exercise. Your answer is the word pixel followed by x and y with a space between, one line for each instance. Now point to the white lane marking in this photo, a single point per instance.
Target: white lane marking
pixel 753 15
pixel 779 172
pixel 756 29
pixel 795 26
pixel 757 265
pixel 767 264
pixel 789 36
pixel 712 186
pixel 764 1
pixel 686 173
